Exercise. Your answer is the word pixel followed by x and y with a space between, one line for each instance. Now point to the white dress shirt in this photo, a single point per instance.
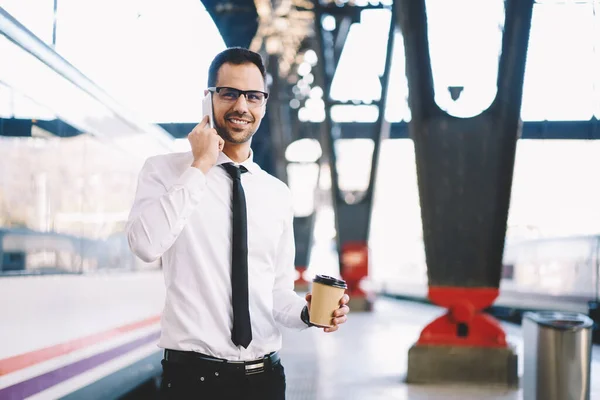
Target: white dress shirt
pixel 184 217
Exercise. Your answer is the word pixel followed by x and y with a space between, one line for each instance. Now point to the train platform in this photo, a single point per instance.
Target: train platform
pixel 367 359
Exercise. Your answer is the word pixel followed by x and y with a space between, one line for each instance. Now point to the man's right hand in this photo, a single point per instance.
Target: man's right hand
pixel 206 145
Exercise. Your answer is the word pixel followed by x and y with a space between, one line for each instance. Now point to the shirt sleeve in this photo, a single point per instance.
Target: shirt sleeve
pixel 287 304
pixel 159 214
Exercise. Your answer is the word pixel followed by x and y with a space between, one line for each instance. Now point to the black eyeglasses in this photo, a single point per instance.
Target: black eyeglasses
pixel 254 98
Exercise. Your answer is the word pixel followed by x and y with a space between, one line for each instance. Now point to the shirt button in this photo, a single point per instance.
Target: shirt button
pixel 216 374
pixel 202 378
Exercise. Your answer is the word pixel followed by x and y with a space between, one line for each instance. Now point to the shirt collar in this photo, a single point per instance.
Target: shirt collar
pixel 249 163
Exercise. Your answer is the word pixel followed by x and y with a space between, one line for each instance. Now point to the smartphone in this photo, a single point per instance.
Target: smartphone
pixel 207 109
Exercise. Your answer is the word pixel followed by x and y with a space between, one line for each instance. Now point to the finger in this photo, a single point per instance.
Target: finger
pixel 221 143
pixel 203 123
pixel 331 329
pixel 341 311
pixel 345 299
pixel 200 126
pixel 340 320
pixel 308 297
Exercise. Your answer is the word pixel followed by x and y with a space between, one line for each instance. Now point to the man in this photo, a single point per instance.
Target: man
pixel 228 268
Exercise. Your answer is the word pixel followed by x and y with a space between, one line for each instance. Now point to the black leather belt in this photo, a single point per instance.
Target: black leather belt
pixel 247 367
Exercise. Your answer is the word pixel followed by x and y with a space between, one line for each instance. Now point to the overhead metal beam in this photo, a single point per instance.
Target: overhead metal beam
pixel 23 127
pixel 236 20
pixel 352 211
pixel 575 130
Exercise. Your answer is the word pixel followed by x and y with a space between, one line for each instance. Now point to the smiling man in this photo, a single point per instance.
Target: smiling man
pixel 223 229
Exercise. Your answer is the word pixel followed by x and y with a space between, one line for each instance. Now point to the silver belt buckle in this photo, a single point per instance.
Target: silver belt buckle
pixel 252 369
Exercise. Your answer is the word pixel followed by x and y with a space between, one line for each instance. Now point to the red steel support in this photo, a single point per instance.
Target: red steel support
pixel 355 267
pixel 464 324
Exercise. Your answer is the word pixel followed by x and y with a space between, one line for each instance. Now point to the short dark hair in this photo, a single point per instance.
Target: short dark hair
pixel 237 56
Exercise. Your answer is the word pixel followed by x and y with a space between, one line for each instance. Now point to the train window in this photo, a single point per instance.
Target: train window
pixel 508 271
pixel 63 204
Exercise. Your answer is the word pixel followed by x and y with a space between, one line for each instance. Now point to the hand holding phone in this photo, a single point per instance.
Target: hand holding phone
pixel 205 142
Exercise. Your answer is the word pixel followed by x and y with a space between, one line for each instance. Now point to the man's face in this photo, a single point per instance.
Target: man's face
pixel 237 121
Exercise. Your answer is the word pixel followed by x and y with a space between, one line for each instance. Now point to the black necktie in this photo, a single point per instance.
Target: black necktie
pixel 241 334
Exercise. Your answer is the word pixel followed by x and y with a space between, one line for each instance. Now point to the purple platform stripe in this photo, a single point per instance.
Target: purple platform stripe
pixel 36 384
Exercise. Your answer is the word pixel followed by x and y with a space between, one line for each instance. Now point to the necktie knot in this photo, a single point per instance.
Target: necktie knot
pixel 233 171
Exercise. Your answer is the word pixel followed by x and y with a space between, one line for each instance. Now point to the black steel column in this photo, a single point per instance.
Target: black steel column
pixel 352 210
pixel 281 137
pixel 464 168
pixel 279 131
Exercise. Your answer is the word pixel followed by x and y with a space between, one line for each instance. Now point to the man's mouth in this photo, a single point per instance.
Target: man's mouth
pixel 238 121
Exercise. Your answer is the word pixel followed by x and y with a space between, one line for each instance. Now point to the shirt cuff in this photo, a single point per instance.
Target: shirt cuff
pixel 305 316
pixel 192 179
pixel 291 314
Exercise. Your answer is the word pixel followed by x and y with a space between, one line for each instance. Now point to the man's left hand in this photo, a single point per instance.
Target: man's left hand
pixel 339 315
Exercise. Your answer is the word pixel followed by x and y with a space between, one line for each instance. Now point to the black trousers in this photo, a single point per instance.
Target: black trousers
pixel 206 381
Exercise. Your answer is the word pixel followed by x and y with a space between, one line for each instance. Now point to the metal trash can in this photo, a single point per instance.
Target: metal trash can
pixel 557 356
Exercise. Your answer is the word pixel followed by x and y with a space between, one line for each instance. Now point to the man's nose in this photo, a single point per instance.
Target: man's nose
pixel 241 104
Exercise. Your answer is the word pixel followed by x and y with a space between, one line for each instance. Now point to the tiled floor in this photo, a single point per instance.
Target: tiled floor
pixel 367 359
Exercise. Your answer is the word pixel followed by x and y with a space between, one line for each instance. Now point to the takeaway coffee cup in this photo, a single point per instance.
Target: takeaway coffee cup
pixel 326 295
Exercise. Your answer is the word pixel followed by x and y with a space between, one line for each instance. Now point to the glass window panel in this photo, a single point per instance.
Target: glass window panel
pixel 560 79
pixel 561 65
pixel 397 101
pixel 552 223
pixel 63 206
pixel 154 59
pixel 349 113
pixel 555 190
pixel 355 77
pixel 14 104
pixel 465 40
pixel 398 256
pixel 35 15
pixel 362 60
pixel 354 163
pixel 42 84
pixel 302 180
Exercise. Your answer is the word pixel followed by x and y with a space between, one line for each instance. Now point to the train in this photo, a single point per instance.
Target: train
pixel 80 318
pixel 541 274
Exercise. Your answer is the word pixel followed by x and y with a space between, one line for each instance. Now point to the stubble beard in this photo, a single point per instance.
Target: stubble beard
pixel 228 136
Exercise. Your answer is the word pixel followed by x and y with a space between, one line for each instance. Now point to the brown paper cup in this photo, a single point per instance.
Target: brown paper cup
pixel 326 295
